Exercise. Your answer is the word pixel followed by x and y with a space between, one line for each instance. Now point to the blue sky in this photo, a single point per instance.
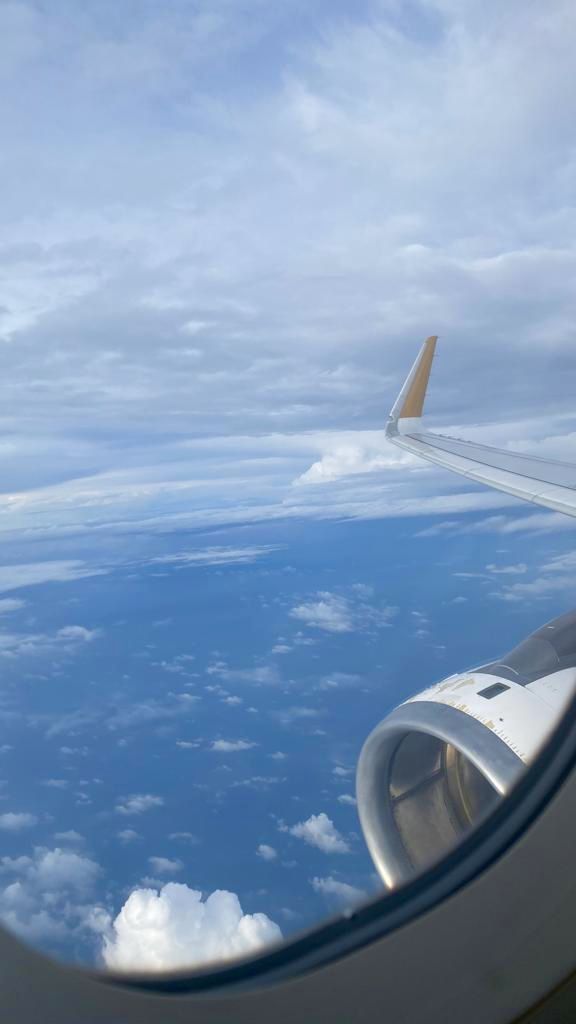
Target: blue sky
pixel 226 227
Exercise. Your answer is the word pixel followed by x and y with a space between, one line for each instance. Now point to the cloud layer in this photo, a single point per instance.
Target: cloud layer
pixel 177 365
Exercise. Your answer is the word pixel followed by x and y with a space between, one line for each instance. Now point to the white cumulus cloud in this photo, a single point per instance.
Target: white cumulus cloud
pixel 165 866
pixel 351 459
pixel 329 612
pixel 319 830
pixel 266 852
pixel 231 746
pixel 174 927
pixel 15 821
pixel 42 897
pixel 78 633
pixel 128 835
pixel 138 803
pixel 336 613
pixel 69 836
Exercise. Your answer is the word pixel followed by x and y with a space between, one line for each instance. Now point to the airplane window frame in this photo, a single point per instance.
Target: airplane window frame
pixel 352 931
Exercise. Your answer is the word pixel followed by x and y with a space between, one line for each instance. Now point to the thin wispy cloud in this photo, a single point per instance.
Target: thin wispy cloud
pixel 550 579
pixel 216 556
pixel 13 577
pixel 341 892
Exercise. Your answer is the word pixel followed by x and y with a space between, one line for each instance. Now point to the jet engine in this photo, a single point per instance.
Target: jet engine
pixel 437 765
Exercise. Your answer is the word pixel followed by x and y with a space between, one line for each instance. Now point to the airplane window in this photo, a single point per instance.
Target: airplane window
pixel 286 601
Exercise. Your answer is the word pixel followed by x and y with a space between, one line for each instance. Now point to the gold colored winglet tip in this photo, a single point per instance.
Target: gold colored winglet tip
pixel 414 401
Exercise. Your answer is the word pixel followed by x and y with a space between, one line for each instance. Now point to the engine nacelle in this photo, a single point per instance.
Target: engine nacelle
pixel 438 764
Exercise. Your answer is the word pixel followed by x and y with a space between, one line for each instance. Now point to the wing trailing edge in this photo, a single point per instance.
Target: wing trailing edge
pixel 545 482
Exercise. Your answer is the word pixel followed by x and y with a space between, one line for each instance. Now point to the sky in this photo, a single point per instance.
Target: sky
pixel 225 230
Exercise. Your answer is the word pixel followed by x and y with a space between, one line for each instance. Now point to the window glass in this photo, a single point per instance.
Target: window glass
pixel 225 230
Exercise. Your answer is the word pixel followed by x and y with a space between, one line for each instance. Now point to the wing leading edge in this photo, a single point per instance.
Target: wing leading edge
pixel 541 481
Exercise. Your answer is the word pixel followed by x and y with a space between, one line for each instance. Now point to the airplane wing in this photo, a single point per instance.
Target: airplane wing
pixel 541 481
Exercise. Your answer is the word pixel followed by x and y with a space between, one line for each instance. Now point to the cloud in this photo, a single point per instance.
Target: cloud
pixel 319 831
pixel 341 892
pixel 352 459
pixel 11 604
pixel 174 928
pixel 484 246
pixel 67 639
pixel 64 869
pixel 539 589
pixel 144 712
pixel 337 613
pixel 116 716
pixel 561 563
pixel 128 835
pixel 78 633
pixel 184 837
pixel 260 675
pixel 346 798
pixel 180 664
pixel 70 836
pixel 330 613
pixel 12 577
pixel 165 866
pixel 16 821
pixel 266 852
pixel 231 746
pixel 339 681
pixel 138 803
pixel 217 556
pixel 508 570
pixel 44 898
pixel 555 576
pixel 296 713
pixel 259 782
pixel 525 522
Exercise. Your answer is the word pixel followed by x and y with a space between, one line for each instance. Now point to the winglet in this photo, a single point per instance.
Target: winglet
pixel 410 401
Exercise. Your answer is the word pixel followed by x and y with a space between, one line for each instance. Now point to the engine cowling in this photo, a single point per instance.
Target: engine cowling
pixel 437 765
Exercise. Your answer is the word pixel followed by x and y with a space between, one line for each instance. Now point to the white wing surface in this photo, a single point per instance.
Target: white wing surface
pixel 541 481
